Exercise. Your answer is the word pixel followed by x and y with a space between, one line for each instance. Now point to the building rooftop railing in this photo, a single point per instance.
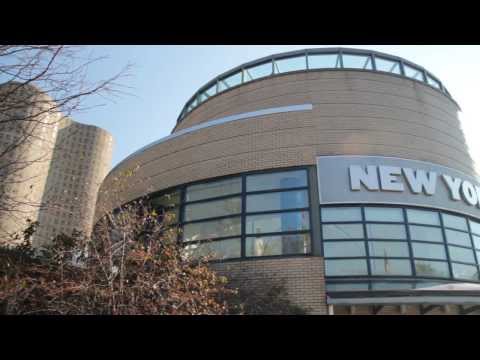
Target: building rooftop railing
pixel 312 60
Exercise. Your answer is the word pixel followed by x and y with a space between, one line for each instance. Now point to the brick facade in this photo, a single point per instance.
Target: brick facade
pixel 303 278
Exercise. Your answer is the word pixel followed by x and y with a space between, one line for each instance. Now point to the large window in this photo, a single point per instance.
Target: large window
pixel 399 242
pixel 263 214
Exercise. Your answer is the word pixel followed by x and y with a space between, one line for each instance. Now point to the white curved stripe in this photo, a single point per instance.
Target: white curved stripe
pixel 219 121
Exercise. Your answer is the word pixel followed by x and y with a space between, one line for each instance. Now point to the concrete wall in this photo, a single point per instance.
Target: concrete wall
pixel 81 159
pixel 29 122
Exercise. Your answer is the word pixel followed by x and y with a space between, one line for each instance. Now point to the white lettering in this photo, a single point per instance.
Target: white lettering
pixel 420 179
pixel 388 178
pixel 368 178
pixel 453 185
pixel 469 193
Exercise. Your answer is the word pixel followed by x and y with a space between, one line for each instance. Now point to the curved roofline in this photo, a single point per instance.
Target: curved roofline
pixel 306 52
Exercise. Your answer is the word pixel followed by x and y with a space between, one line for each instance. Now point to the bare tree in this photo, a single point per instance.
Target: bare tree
pixel 39 86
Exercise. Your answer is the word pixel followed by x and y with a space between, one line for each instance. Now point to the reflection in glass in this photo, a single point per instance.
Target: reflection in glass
pixel 476 241
pixel 277 201
pixel 279 222
pixel 431 81
pixel 475 227
pixel 215 250
pixel 431 268
pixel 279 180
pixel 390 267
pixel 383 214
pixel 455 222
pixel 331 214
pixel 386 231
pixel 212 209
pixel 344 249
pixel 461 254
pixel 357 61
pixel 346 286
pixel 423 217
pixel 457 238
pixel 386 65
pixel 277 245
pixel 214 189
pixel 388 249
pixel 258 71
pixel 342 231
pixel 467 272
pixel 425 233
pixel 429 251
pixel 324 61
pixel 290 64
pixel 346 267
pixel 413 72
pixel 231 81
pixel 212 229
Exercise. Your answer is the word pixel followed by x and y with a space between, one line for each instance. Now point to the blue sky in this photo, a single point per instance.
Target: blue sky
pixel 164 77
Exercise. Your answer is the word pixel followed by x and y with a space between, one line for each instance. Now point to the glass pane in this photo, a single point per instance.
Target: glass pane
pixel 455 222
pixel 277 245
pixel 461 254
pixel 431 81
pixel 277 201
pixel 413 73
pixel 279 180
pixel 341 214
pixel 346 267
pixel 167 200
pixel 474 227
pixel 423 217
pixel 390 267
pixel 231 81
pixel 347 286
pixel 342 231
pixel 344 249
pixel 258 72
pixel 323 61
pixel 458 238
pixel 388 249
pixel 208 93
pixel 425 233
pixel 386 65
pixel 214 189
pixel 357 61
pixel 383 214
pixel 467 272
pixel 476 241
pixel 432 268
pixel 223 249
pixel 211 209
pixel 290 64
pixel 386 231
pixel 212 229
pixel 429 251
pixel 269 223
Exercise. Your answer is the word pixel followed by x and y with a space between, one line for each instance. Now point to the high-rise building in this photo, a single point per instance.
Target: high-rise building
pixel 343 172
pixel 54 174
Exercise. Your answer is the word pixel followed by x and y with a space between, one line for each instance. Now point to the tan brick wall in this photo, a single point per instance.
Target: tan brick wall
pixel 354 113
pixel 304 278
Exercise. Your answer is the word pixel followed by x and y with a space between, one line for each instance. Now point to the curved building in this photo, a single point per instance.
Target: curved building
pixel 343 172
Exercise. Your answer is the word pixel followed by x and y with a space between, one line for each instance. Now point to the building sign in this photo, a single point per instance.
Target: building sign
pixel 378 179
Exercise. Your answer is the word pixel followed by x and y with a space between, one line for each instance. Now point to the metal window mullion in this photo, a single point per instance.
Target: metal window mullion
pixel 307 66
pixel 447 251
pixel 365 237
pixel 310 212
pixel 340 57
pixel 243 237
pixel 473 247
pixel 409 242
pixel 402 68
pixel 374 65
